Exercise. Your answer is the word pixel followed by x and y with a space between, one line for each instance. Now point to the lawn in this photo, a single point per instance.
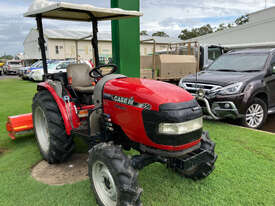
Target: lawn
pixel 244 174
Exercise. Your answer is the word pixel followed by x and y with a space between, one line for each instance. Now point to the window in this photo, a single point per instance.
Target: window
pixel 214 53
pixel 56 50
pixel 239 62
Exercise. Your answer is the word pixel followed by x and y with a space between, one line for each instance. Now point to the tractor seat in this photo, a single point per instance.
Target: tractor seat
pixel 79 78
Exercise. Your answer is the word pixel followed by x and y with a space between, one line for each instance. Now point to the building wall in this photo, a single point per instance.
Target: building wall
pixel 31 47
pixel 105 49
pixel 147 48
pixel 70 49
pixel 65 49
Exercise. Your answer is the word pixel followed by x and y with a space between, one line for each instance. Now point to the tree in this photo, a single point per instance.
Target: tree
pixel 144 33
pixel 207 29
pixel 195 32
pixel 160 33
pixel 242 20
pixel 221 27
pixel 9 57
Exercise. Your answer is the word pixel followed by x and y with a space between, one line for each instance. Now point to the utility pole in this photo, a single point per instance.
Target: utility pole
pixel 265 4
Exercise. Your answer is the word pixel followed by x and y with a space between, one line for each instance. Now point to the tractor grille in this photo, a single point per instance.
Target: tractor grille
pixel 172 113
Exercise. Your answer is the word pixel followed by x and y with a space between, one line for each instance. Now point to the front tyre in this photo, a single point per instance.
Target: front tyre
pixel 54 144
pixel 255 114
pixel 113 179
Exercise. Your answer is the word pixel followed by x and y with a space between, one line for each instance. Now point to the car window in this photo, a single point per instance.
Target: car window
pixel 214 53
pixel 239 62
pixel 14 63
pixel 273 59
pixel 36 64
pixel 53 65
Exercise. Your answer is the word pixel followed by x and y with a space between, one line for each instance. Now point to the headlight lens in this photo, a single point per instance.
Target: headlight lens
pixel 180 128
pixel 231 89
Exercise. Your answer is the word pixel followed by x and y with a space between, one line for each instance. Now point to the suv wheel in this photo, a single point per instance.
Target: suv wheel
pixel 255 115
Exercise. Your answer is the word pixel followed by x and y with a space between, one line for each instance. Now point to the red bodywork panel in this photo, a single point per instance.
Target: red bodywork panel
pixel 19 123
pixel 152 92
pixel 71 119
pixel 128 117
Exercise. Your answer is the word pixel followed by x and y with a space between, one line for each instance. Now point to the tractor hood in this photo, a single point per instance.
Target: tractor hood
pixel 144 93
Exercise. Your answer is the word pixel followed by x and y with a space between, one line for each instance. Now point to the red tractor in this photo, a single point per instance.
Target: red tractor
pixel 161 121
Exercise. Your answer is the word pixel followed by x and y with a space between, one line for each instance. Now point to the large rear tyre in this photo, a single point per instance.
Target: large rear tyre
pixel 204 169
pixel 54 144
pixel 113 179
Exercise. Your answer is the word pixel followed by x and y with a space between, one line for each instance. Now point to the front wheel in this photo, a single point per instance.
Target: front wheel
pixel 255 114
pixel 113 179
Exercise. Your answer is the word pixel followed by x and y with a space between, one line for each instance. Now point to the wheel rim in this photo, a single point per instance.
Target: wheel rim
pixel 254 115
pixel 104 184
pixel 42 131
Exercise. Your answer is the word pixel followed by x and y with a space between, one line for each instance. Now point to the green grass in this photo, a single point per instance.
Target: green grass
pixel 244 174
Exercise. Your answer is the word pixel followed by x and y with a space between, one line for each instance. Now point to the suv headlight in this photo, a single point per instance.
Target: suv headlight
pixel 230 89
pixel 180 128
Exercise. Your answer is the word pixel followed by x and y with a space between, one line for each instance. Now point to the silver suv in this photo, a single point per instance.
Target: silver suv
pixel 12 67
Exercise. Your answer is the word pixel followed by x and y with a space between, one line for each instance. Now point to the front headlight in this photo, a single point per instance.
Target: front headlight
pixel 180 128
pixel 231 89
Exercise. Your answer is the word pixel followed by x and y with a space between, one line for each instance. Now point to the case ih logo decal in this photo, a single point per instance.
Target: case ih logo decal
pixel 123 100
pixel 128 101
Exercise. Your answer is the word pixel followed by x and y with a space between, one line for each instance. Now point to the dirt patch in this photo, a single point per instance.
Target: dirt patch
pixel 270 124
pixel 74 170
pixel 2 150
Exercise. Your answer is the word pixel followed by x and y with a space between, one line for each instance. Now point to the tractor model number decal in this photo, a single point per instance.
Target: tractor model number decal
pixel 128 101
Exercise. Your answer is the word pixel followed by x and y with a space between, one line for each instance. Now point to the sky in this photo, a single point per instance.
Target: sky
pixel 159 15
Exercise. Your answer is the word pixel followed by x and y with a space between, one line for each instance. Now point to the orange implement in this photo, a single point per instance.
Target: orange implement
pixel 19 124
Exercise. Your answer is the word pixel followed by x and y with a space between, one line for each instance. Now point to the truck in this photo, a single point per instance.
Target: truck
pixel 178 60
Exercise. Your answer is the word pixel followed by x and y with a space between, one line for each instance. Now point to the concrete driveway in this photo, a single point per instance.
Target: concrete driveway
pixel 9 77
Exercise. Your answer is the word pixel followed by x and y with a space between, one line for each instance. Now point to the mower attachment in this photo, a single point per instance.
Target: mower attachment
pixel 19 124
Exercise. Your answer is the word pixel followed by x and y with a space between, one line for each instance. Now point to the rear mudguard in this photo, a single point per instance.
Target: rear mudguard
pixel 68 109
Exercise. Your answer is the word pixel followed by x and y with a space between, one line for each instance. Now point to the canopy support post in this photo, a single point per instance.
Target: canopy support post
pixel 95 40
pixel 41 42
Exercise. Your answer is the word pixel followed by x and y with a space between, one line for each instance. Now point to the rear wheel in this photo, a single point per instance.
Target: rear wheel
pixel 54 144
pixel 113 179
pixel 256 114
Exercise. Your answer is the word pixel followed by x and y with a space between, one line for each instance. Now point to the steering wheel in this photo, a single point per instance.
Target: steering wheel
pixel 96 73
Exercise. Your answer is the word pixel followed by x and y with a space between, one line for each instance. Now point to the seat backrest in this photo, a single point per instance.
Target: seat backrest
pixel 78 75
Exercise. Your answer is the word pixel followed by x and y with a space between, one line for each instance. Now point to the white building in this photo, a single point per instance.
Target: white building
pixel 258 32
pixel 64 44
